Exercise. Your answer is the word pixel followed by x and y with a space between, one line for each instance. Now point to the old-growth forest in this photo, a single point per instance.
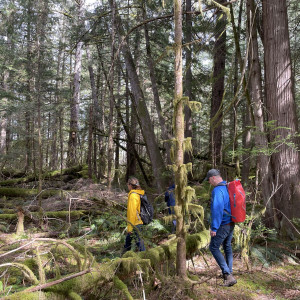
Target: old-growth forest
pixel 93 92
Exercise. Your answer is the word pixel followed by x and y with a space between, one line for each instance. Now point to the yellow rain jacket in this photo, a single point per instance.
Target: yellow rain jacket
pixel 134 209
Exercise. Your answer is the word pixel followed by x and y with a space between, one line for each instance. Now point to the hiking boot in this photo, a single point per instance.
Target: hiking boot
pixel 229 280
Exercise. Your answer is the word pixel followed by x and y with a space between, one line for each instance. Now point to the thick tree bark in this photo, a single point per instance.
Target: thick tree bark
pixel 218 88
pixel 179 152
pixel 261 142
pixel 280 100
pixel 141 108
pixel 74 104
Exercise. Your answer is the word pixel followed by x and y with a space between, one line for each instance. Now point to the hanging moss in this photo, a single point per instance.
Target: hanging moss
pixel 225 9
pixel 187 145
pixel 120 285
pixel 168 219
pixel 198 212
pixel 195 106
pixel 128 265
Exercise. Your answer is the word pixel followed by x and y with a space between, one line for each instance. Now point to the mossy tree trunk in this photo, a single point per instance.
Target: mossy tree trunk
pixel 180 182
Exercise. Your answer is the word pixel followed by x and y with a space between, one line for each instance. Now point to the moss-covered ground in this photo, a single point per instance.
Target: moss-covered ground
pixel 89 227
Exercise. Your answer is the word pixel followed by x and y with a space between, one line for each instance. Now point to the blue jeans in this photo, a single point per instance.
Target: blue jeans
pixel 136 237
pixel 172 212
pixel 224 237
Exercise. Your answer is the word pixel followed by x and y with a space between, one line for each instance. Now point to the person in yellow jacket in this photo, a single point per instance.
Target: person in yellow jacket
pixel 134 222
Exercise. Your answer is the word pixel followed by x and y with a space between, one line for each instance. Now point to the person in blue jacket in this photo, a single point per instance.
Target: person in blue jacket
pixel 170 201
pixel 221 229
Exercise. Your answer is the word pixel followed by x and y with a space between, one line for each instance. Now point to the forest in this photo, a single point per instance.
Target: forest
pixel 94 92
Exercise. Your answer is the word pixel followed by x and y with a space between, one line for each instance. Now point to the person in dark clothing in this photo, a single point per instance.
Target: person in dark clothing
pixel 170 201
pixel 221 229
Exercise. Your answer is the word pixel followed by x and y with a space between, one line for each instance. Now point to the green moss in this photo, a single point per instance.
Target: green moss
pixel 31 264
pixel 10 182
pixel 8 217
pixel 74 296
pixel 196 241
pixel 23 193
pixel 23 296
pixel 156 256
pixel 120 285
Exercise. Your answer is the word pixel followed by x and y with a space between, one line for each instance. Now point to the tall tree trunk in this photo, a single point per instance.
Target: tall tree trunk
pixel 141 108
pixel 58 86
pixel 162 122
pixel 110 149
pixel 131 158
pixel 261 141
pixel 247 135
pixel 92 123
pixel 180 177
pixel 41 33
pixel 29 90
pixel 188 79
pixel 74 105
pixel 218 87
pixel 118 133
pixel 280 100
pixel 3 117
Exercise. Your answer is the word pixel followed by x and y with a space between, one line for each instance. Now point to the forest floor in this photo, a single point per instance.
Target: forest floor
pixel 273 273
pixel 279 281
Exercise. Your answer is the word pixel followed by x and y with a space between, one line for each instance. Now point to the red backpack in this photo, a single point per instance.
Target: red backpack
pixel 237 198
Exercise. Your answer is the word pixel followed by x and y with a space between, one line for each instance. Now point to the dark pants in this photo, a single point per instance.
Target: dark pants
pixel 134 235
pixel 172 212
pixel 224 237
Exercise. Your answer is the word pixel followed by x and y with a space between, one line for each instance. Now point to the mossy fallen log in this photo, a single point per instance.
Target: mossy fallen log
pixel 74 215
pixel 24 193
pixel 75 172
pixel 87 282
pixel 113 271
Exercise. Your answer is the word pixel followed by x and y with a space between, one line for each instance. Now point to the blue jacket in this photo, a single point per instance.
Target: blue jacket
pixel 169 195
pixel 220 202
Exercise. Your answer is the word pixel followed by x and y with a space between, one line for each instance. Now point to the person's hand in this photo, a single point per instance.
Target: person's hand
pixel 212 233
